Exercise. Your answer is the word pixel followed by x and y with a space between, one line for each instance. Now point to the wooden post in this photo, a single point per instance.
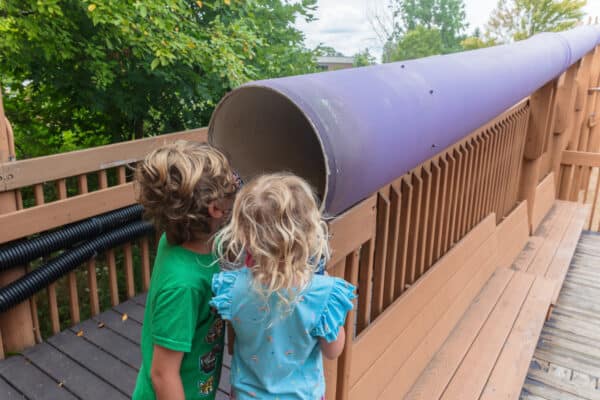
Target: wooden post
pixel 573 130
pixel 16 324
pixel 541 107
pixel 563 115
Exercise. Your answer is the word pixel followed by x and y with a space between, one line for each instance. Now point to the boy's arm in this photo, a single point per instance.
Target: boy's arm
pixel 165 374
pixel 334 349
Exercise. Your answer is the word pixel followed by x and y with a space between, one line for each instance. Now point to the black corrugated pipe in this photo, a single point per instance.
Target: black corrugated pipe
pixel 22 252
pixel 25 287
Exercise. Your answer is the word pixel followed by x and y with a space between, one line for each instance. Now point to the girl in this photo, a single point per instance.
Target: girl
pixel 284 316
pixel 187 190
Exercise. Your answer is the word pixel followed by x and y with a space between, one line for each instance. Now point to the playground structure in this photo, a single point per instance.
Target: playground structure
pixel 456 186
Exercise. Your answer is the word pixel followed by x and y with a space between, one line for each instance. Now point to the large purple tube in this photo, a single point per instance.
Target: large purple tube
pixel 350 132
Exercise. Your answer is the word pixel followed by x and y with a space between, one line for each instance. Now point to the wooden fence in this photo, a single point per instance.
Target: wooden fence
pixel 384 245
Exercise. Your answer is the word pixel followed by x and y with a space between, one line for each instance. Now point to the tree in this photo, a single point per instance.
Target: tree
pixel 327 51
pixel 416 43
pixel 363 58
pixel 84 72
pixel 477 41
pixel 519 19
pixel 446 16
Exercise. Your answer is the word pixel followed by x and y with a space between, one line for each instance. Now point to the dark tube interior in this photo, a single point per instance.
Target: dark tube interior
pixel 262 131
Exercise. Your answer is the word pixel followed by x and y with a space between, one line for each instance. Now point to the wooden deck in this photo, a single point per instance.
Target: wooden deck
pixel 97 359
pixel 566 363
pixel 474 327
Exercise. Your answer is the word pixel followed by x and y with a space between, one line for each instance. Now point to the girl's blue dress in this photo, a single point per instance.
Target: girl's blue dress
pixel 276 352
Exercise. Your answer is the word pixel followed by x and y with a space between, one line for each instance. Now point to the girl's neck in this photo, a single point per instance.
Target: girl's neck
pixel 200 246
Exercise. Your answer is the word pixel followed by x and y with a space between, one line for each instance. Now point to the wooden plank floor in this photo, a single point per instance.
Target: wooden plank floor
pixel 97 359
pixel 566 363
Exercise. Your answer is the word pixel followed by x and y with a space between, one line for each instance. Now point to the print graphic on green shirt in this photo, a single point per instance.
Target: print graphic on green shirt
pixel 179 318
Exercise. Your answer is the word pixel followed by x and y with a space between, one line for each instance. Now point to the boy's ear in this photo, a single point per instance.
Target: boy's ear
pixel 214 211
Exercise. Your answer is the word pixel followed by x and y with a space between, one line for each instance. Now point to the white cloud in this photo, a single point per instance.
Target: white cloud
pixel 344 24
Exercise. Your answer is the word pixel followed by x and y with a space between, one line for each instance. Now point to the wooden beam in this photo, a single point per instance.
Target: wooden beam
pixel 48 216
pixel 580 158
pixel 23 173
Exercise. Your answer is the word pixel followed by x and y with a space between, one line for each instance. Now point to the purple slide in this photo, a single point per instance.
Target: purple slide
pixel 350 132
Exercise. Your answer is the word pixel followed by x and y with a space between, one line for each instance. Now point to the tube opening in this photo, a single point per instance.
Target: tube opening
pixel 263 131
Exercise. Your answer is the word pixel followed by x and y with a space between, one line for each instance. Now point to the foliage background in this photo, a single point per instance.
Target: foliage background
pixel 80 73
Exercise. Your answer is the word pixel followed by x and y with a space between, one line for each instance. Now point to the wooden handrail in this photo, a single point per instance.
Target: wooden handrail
pixel 580 158
pixel 48 216
pixel 18 174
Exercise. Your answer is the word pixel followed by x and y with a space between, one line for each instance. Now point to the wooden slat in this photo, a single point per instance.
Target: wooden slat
pixel 376 339
pixel 494 168
pixel 330 367
pixel 94 359
pixel 434 200
pixel 487 174
pixel 477 182
pixel 595 201
pixel 483 265
pixel 365 285
pixel 423 222
pixel 110 342
pixel 145 251
pixel 470 155
pixel 513 233
pixel 344 364
pixel 62 212
pixel 9 392
pixel 126 327
pixel 413 238
pixel 112 277
pixel 514 160
pixel 381 245
pixel 30 381
pixel 72 276
pixel 471 376
pixel 450 208
pixel 392 245
pixel 403 240
pixel 504 165
pixel 541 107
pixel 460 155
pixel 527 255
pixel 37 170
pixel 506 379
pixel 524 123
pixel 544 199
pixel 560 263
pixel 443 208
pixel 132 310
pixel 127 252
pixel 542 261
pixel 381 372
pixel 73 377
pixel 441 369
pixel 53 308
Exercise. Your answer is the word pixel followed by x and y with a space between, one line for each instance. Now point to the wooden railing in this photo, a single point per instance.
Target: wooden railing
pixel 383 245
pixel 49 192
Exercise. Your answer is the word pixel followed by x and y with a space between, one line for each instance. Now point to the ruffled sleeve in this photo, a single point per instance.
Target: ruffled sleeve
pixel 222 287
pixel 336 308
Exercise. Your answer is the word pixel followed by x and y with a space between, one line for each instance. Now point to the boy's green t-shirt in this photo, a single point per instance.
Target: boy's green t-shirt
pixel 179 318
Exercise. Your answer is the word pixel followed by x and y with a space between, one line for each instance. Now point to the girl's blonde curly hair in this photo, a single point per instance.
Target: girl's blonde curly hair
pixel 276 219
pixel 177 182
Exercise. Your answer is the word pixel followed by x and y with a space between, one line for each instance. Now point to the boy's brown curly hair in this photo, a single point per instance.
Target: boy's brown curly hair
pixel 177 182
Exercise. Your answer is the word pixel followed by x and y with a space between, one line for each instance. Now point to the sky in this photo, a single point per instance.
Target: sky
pixel 344 24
